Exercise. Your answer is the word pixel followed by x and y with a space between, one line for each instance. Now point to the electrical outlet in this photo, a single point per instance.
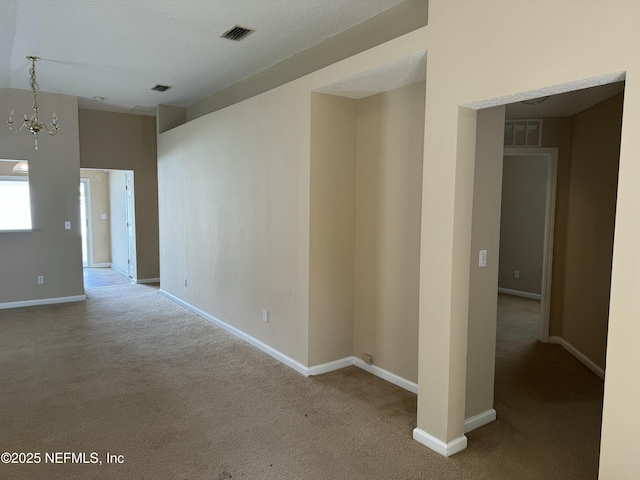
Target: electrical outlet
pixel 516 274
pixel 265 316
pixel 368 358
pixel 40 279
pixel 185 281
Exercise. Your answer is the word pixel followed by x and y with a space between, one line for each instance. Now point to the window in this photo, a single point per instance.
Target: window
pixel 15 201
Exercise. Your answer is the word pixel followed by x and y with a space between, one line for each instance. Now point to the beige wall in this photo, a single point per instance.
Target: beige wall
pixel 54 176
pixel 168 117
pixel 332 227
pixel 387 242
pixel 240 230
pixel 234 216
pixel 457 75
pixel 593 184
pixel 522 222
pixel 366 167
pixel 128 142
pixel 100 228
pixel 483 281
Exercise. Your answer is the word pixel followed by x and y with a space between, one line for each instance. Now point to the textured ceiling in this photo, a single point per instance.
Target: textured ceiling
pixel 121 48
pixel 399 73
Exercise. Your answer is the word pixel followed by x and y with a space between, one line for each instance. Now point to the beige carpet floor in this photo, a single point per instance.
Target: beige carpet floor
pixel 131 373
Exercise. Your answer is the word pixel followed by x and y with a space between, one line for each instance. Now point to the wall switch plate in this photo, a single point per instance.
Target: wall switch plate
pixel 67 225
pixel 40 279
pixel 103 216
pixel 482 260
pixel 516 274
pixel 368 358
pixel 265 316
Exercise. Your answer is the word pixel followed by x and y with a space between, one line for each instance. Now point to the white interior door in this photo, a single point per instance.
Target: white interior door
pixel 131 223
pixel 85 222
pixel 550 157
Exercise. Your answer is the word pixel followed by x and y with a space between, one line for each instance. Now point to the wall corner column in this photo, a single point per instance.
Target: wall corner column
pixel 447 203
pixel 483 283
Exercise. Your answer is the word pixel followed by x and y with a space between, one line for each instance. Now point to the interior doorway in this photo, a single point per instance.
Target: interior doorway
pixel 123 223
pixel 575 272
pixel 107 209
pixel 85 219
pixel 527 227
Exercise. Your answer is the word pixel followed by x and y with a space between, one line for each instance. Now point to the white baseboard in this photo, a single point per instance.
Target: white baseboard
pixel 586 361
pixel 330 367
pixel 479 420
pixel 518 293
pixel 100 265
pixel 386 375
pixel 281 357
pixel 290 362
pixel 43 301
pixel 438 446
pixel 372 369
pixel 120 270
pixel 148 280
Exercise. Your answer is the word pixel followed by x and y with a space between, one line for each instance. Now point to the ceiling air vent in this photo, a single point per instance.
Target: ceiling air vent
pixel 237 33
pixel 523 133
pixel 161 88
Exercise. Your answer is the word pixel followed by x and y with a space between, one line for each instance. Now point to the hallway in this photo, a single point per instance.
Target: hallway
pixel 548 404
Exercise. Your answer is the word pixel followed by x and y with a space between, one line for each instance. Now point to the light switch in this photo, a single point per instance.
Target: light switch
pixel 483 258
pixel 67 225
pixel 103 216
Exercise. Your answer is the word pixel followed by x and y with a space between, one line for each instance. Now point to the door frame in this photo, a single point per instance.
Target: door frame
pixel 130 215
pixel 88 224
pixel 551 155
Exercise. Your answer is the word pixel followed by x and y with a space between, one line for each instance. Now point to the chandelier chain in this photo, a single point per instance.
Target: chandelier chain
pixel 34 84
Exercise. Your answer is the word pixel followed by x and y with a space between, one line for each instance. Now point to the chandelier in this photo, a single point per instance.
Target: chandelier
pixel 32 124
